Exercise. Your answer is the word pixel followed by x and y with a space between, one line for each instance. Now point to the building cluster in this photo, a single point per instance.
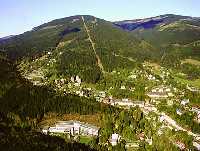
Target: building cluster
pixel 85 92
pixel 73 128
pixel 192 89
pixel 123 102
pixel 100 96
pixel 76 80
pixel 60 82
pixel 160 92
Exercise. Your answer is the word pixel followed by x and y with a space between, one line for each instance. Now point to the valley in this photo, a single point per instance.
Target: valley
pixel 141 93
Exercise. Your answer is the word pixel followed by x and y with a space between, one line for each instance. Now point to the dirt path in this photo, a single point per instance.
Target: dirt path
pixel 93 46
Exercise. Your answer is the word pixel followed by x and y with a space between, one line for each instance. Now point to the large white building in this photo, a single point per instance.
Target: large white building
pixel 73 128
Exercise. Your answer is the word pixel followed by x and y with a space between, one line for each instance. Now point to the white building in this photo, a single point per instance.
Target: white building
pixel 123 87
pixel 72 79
pixel 115 139
pixel 185 101
pixel 73 128
pixel 78 80
pixel 162 118
pixel 179 112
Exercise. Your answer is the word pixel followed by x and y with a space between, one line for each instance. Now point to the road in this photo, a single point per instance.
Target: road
pixel 167 119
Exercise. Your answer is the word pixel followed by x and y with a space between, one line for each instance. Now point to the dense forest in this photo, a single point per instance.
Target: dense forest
pixel 14 138
pixel 23 98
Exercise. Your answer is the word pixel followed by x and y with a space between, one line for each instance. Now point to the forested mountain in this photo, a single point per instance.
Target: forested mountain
pixel 71 44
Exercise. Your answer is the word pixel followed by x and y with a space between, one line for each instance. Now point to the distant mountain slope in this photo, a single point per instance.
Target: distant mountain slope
pixel 152 22
pixel 165 29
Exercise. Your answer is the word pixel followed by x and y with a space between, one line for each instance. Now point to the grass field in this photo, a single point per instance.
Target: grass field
pixel 85 139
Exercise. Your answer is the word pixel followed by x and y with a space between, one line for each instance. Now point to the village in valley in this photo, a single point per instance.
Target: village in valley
pixel 154 89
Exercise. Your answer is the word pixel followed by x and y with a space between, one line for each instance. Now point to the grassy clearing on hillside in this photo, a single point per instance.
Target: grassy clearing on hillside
pixel 52 118
pixel 195 82
pixel 155 66
pixel 191 61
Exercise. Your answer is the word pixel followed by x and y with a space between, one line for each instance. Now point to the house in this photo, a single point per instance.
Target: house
pixel 179 112
pixel 180 145
pixel 62 81
pixel 151 77
pixel 149 141
pixel 72 79
pixel 45 130
pixel 78 80
pixel 197 145
pixel 141 136
pixel 184 102
pixel 162 118
pixel 115 139
pixel 195 109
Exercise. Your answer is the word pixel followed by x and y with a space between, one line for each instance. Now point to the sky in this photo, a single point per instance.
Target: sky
pixel 18 16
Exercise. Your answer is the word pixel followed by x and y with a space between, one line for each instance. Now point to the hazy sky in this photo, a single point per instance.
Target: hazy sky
pixel 17 16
